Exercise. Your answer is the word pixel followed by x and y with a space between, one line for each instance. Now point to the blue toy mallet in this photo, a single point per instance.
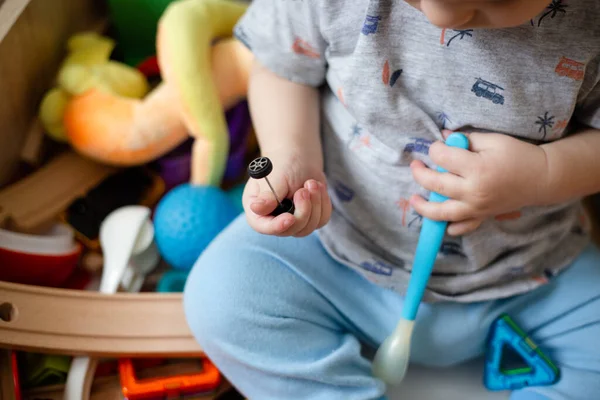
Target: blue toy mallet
pixel 391 360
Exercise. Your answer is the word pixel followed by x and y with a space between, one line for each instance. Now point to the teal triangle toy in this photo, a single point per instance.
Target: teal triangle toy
pixel 505 336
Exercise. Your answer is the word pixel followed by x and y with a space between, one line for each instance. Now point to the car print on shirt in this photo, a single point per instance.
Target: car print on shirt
pixel 387 78
pixel 304 48
pixel 452 249
pixel 371 24
pixel 343 192
pixel 515 272
pixel 488 90
pixel 418 145
pixel 570 68
pixel 377 267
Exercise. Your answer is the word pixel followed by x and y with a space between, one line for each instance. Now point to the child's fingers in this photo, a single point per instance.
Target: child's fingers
pixel 263 204
pixel 302 213
pixel 270 225
pixel 449 210
pixel 326 206
pixel 446 184
pixel 315 215
pixel 464 227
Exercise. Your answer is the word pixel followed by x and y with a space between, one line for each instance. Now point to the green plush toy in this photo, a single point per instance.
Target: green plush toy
pixel 135 24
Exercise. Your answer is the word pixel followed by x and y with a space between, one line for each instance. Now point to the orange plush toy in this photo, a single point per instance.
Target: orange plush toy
pixel 200 80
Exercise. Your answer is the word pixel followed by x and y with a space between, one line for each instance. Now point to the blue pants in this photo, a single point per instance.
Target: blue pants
pixel 283 320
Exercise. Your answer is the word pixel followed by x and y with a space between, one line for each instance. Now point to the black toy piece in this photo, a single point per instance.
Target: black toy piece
pixel 260 168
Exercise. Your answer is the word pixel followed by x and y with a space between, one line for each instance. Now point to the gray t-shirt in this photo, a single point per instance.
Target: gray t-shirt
pixel 390 81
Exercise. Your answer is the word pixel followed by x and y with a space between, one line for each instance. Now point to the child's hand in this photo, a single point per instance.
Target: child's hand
pixel 498 176
pixel 292 178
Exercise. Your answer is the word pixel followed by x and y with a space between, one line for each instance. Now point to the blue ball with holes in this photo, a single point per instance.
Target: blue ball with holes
pixel 187 219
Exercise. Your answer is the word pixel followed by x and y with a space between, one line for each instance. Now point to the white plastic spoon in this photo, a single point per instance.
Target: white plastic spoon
pixel 392 357
pixel 127 234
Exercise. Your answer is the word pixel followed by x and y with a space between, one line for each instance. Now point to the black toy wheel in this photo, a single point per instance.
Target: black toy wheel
pixel 260 168
pixel 286 206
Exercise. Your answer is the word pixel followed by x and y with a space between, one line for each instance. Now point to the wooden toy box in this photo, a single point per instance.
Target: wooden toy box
pixel 33 34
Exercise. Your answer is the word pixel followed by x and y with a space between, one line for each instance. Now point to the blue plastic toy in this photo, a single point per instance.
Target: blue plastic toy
pixel 392 358
pixel 540 370
pixel 187 219
pixel 430 241
pixel 235 194
pixel 172 281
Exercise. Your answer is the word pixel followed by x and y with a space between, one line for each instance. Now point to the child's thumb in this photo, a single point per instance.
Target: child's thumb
pixel 273 190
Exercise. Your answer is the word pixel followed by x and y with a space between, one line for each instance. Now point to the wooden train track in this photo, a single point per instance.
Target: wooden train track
pixel 73 322
pixel 33 203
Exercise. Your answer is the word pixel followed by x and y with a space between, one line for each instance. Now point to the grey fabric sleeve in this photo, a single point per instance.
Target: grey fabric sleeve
pixel 284 37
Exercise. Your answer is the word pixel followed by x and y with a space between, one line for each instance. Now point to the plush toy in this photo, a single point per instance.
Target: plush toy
pixel 191 215
pixel 134 24
pixel 88 67
pixel 200 80
pixel 204 73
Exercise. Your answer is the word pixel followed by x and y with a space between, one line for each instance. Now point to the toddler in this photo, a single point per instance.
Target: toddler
pixel 352 100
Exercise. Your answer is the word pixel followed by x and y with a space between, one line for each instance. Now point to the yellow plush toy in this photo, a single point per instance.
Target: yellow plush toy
pixel 88 66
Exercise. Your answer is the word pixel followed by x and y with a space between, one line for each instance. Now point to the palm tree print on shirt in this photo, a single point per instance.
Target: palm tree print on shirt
pixel 416 220
pixel 461 34
pixel 545 122
pixel 557 6
pixel 410 218
pixel 389 77
pixel 354 134
pixel 443 118
pixel 358 138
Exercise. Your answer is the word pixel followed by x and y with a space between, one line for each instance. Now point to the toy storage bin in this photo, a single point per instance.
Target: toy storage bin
pixel 33 34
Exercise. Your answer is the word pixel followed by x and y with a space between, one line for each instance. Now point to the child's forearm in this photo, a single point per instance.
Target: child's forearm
pixel 286 116
pixel 573 167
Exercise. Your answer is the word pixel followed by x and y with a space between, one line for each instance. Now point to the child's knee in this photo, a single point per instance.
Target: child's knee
pixel 213 291
pixel 227 288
